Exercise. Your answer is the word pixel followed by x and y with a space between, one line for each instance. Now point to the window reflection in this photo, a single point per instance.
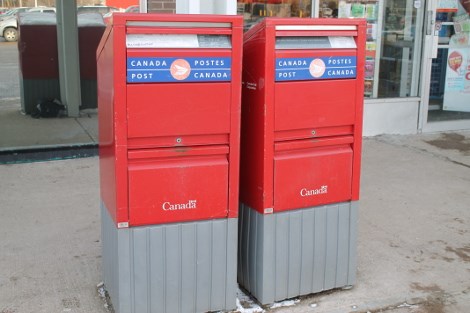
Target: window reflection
pixel 253 10
pixel 392 43
pixel 398 49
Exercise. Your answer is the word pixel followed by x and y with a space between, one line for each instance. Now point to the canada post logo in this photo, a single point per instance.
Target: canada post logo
pixel 154 69
pixel 180 69
pixel 317 68
pixel 336 67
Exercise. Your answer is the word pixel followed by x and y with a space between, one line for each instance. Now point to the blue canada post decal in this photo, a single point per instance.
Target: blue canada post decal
pixel 155 69
pixel 315 68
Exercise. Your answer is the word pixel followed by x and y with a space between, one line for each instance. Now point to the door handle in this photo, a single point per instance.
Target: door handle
pixel 431 31
pixel 430 23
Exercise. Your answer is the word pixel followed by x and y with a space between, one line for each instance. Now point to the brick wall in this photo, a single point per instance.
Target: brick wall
pixel 161 6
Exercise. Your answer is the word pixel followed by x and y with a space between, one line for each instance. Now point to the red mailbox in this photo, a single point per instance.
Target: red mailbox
pixel 169 121
pixel 301 140
pixel 169 118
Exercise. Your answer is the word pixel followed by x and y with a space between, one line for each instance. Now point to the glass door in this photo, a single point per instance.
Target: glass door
pixel 449 82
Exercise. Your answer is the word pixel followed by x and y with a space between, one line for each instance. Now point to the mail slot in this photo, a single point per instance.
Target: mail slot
pixel 169 123
pixel 301 141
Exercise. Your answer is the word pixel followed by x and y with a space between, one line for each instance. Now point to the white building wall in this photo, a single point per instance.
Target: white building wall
pixel 391 116
pixel 206 7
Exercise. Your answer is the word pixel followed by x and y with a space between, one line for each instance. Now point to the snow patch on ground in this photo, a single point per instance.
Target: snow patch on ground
pixel 105 297
pixel 284 303
pixel 246 304
pixel 254 309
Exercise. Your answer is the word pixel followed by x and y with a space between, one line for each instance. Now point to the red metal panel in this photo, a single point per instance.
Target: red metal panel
pixel 312 143
pixel 178 109
pixel 315 33
pixel 135 52
pixel 310 177
pixel 123 18
pixel 235 119
pixel 315 104
pixel 292 134
pixel 121 3
pixel 38 56
pixel 120 125
pixel 357 146
pixel 112 123
pixel 178 189
pixel 182 151
pixel 254 162
pixel 88 39
pixel 107 148
pixel 169 30
pixel 170 141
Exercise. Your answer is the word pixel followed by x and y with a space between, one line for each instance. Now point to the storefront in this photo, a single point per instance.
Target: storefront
pixel 417 62
pixel 446 85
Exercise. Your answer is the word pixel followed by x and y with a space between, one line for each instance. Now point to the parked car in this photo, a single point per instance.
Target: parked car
pixel 9 26
pixel 102 9
pixel 42 10
pixel 13 12
pixel 133 9
pixel 9 29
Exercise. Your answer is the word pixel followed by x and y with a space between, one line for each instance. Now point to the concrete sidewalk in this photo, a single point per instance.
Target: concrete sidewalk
pixel 413 250
pixel 19 131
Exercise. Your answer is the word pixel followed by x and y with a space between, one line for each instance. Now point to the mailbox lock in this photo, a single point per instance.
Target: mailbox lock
pixel 313 132
pixel 179 140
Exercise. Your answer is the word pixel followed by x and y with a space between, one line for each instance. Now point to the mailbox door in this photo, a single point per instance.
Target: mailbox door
pixel 316 102
pixel 312 174
pixel 178 109
pixel 177 185
pixel 176 93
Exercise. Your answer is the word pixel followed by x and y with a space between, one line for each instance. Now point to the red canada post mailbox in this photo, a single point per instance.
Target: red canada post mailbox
pixel 169 122
pixel 301 140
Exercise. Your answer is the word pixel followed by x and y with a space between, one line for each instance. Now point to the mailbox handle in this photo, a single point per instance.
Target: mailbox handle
pixel 180 25
pixel 178 151
pixel 317 27
pixel 309 143
pixel 201 31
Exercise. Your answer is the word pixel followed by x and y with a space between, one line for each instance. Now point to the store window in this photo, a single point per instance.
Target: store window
pixel 253 10
pixel 393 47
pixel 394 36
pixel 449 92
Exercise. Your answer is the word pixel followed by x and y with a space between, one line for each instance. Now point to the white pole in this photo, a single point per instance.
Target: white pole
pixel 188 6
pixel 230 8
pixel 143 6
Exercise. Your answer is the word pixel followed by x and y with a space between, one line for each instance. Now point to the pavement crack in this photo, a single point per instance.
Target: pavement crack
pixel 459 163
pixel 85 130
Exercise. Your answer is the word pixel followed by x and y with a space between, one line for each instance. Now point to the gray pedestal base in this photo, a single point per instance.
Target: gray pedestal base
pixel 171 268
pixel 292 253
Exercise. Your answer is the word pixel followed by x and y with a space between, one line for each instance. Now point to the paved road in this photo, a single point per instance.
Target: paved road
pixel 413 240
pixel 9 71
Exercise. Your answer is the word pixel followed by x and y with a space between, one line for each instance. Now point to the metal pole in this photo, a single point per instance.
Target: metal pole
pixel 69 67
